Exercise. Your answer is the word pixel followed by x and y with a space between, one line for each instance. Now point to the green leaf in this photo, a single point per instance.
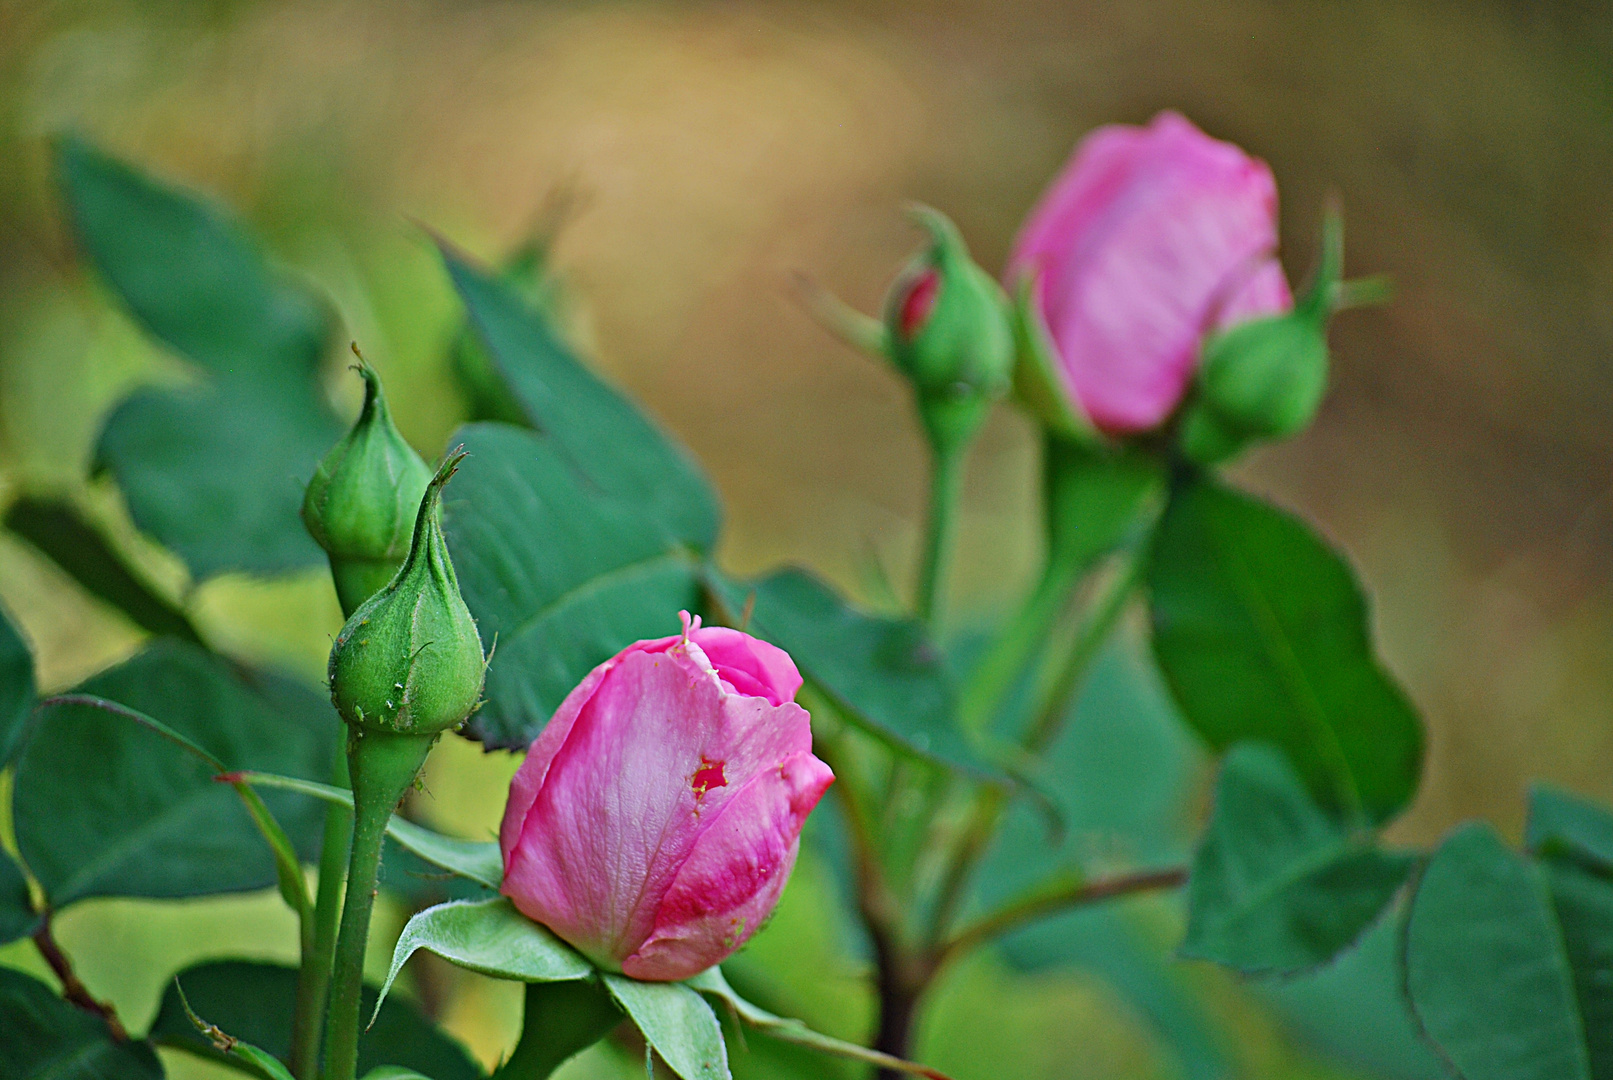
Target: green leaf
pixel 255 1002
pixel 1566 825
pixel 489 937
pixel 711 981
pixel 677 1022
pixel 1583 902
pixel 604 437
pixel 1261 632
pixel 885 675
pixel 1487 970
pixel 55 527
pixel 478 860
pixel 560 575
pixel 17 916
pixel 214 471
pixel 1277 885
pixel 48 1039
pixel 561 1019
pixel 106 807
pixel 16 689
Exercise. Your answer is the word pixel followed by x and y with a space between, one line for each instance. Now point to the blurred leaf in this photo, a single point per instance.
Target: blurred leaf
pixel 560 1019
pixel 105 807
pixel 1261 632
pixel 56 529
pixel 1566 825
pixel 490 937
pixel 16 689
pixel 677 1022
pixel 1125 768
pixel 217 472
pixel 711 981
pixel 1355 1012
pixel 600 434
pixel 48 1039
pixel 214 471
pixel 1277 885
pixel 188 271
pixel 487 394
pixel 559 575
pixel 1486 966
pixel 17 917
pixel 1583 903
pixel 885 675
pixel 255 1002
pixel 478 860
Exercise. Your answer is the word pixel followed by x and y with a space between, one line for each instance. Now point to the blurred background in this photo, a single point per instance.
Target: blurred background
pixel 1463 459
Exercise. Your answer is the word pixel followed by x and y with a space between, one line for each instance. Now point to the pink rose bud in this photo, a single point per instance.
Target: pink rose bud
pixel 1150 240
pixel 656 819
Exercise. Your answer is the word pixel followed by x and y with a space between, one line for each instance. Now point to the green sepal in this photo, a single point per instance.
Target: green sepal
pixel 1264 379
pixel 1037 382
pixel 361 504
pixel 409 660
pixel 966 338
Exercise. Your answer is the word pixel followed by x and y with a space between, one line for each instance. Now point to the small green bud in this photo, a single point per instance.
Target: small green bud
pixel 1265 379
pixel 409 660
pixel 949 330
pixel 360 505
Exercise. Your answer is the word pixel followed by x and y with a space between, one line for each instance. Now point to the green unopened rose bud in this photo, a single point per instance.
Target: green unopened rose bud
pixel 948 329
pixel 409 660
pixel 1265 379
pixel 360 506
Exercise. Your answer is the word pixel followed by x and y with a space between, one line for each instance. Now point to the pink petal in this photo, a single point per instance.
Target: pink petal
pixel 749 665
pixel 734 874
pixel 529 777
pixel 619 806
pixel 1264 292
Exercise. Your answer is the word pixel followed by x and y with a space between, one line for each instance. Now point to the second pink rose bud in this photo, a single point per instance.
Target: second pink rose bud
pixel 1150 240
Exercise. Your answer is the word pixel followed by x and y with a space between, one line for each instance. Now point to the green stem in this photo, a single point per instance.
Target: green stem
pixel 989 802
pixel 313 981
pixel 1055 900
pixel 997 672
pixel 383 766
pixel 1095 630
pixel 946 483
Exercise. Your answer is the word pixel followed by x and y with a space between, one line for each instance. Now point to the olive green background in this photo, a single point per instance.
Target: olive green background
pixel 1463 457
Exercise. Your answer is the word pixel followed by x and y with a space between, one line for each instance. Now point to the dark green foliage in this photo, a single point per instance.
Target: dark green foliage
pixel 106 807
pixel 254 1002
pixel 612 446
pixel 1277 885
pixel 560 1019
pixel 45 1038
pixel 559 576
pixel 16 689
pixel 1487 967
pixel 17 918
pixel 1567 826
pixel 56 529
pixel 214 470
pixel 1262 633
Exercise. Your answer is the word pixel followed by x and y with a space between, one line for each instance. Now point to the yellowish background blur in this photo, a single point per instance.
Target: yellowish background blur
pixel 1463 458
